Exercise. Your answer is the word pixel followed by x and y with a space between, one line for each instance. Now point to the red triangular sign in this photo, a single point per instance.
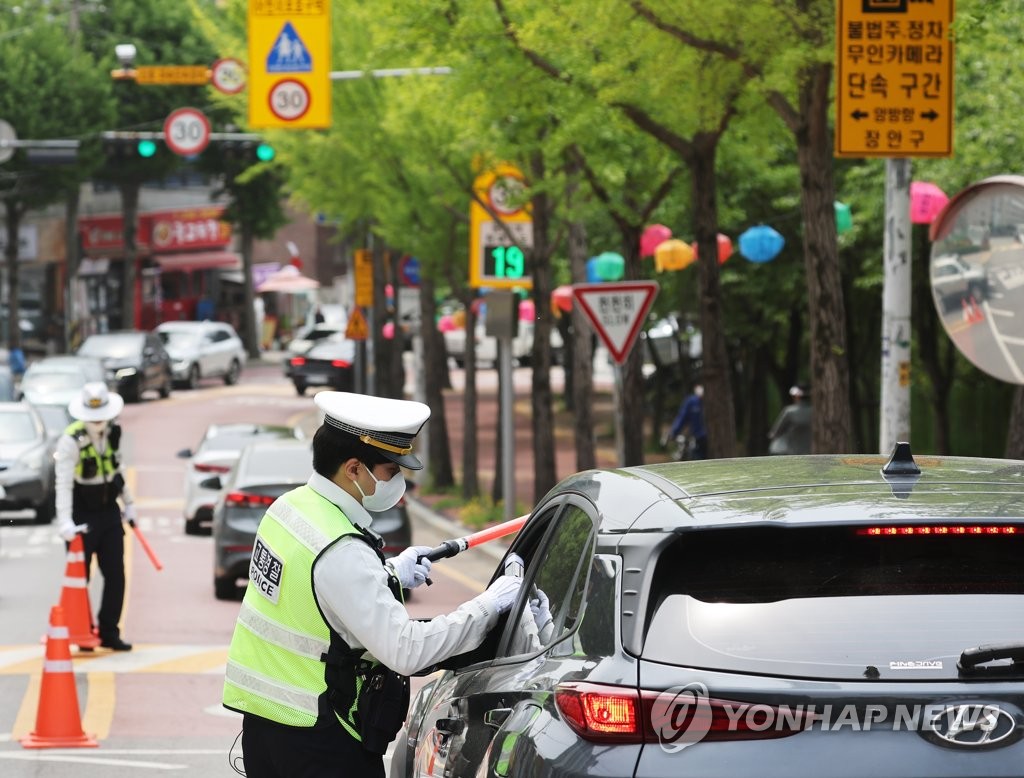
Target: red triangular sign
pixel 617 312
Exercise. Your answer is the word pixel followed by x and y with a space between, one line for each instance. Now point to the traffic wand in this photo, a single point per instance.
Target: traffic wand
pixel 145 546
pixel 450 548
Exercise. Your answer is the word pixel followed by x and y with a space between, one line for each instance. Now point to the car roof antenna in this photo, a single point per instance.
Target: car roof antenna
pixel 901 462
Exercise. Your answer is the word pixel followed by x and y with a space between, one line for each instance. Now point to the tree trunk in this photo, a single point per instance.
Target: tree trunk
pixel 395 344
pixel 13 221
pixel 381 382
pixel 250 336
pixel 470 475
pixel 719 415
pixel 439 457
pixel 543 419
pixel 130 218
pixel 830 380
pixel 72 260
pixel 579 357
pixel 1015 435
pixel 632 409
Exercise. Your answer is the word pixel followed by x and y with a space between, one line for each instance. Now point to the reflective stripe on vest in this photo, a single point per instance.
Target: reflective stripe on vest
pixel 275 668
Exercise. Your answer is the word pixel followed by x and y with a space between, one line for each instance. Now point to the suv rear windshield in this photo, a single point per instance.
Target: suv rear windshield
pixel 828 602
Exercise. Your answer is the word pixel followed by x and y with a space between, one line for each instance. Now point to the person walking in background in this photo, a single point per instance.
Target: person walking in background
pixel 89 482
pixel 690 420
pixel 791 432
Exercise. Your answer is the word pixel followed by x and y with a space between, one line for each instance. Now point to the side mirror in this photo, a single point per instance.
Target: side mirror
pixel 185 453
pixel 212 483
pixel 410 486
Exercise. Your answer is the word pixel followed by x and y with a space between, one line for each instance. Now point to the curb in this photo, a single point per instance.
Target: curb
pixel 419 511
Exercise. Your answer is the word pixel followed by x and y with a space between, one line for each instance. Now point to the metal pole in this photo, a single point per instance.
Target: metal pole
pixel 895 416
pixel 508 432
pixel 620 441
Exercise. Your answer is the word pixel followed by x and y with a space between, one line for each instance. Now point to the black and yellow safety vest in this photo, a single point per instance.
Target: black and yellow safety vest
pixel 98 480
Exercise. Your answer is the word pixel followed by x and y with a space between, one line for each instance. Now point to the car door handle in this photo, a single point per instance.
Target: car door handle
pixel 495 717
pixel 450 726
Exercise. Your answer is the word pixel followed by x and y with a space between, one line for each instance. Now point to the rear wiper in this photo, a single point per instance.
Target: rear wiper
pixel 972 659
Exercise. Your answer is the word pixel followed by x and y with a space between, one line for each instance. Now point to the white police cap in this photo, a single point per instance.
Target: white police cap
pixel 385 424
pixel 96 403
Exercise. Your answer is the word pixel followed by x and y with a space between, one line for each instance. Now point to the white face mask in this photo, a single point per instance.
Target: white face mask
pixel 96 428
pixel 386 494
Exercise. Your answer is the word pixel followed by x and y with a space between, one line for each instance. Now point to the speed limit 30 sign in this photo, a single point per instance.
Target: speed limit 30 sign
pixel 187 131
pixel 289 100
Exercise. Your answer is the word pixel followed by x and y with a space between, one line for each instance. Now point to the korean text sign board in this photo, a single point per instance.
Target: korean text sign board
pixel 289 63
pixel 894 78
pixel 498 246
pixel 617 312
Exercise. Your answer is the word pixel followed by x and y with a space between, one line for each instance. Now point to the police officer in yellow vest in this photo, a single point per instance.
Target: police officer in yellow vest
pixel 323 644
pixel 89 482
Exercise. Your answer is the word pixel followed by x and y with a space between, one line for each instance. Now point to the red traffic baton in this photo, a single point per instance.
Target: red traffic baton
pixel 145 546
pixel 450 548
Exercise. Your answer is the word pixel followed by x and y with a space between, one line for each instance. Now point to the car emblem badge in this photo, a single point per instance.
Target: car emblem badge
pixel 973 726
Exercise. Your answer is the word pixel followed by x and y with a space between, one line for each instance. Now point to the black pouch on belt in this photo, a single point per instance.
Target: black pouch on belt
pixel 383 704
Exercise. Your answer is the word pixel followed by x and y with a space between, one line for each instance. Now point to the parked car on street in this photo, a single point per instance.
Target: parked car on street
pixel 955 280
pixel 215 455
pixel 135 362
pixel 58 380
pixel 202 349
pixel 26 461
pixel 308 337
pixel 798 616
pixel 329 362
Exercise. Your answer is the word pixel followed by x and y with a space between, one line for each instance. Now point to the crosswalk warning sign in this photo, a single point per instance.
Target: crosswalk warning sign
pixel 357 329
pixel 289 54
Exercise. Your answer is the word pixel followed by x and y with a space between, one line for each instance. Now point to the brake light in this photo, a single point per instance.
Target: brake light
pixel 615 714
pixel 247 500
pixel 940 529
pixel 211 468
pixel 298 361
pixel 340 363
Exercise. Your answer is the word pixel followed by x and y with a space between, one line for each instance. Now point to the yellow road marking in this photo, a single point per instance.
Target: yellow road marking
pixel 25 721
pixel 99 706
pixel 195 664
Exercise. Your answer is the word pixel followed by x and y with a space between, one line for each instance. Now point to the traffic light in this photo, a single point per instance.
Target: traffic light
pixel 247 151
pixel 146 148
pixel 265 152
pixel 129 146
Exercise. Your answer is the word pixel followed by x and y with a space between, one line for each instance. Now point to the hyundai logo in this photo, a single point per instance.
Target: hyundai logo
pixel 972 725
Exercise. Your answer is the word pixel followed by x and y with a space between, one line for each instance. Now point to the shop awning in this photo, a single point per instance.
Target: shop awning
pixel 199 260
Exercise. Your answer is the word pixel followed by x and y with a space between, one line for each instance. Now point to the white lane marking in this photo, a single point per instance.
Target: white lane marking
pixel 1000 312
pixel 84 760
pixel 1000 342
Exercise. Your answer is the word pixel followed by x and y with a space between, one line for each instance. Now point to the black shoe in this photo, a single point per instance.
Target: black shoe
pixel 116 644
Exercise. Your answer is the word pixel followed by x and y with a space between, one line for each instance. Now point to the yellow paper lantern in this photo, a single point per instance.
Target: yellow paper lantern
pixel 673 255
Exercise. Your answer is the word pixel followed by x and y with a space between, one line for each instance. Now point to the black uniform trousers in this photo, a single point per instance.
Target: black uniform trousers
pixel 105 541
pixel 325 750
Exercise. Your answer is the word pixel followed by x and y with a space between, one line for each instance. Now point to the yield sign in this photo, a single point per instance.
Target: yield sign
pixel 617 312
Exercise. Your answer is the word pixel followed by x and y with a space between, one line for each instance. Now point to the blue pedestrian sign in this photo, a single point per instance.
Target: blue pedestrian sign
pixel 289 54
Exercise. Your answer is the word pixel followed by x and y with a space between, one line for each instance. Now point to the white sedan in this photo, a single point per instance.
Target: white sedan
pixel 202 349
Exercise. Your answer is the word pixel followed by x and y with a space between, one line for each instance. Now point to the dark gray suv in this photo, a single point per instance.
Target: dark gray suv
pixel 782 616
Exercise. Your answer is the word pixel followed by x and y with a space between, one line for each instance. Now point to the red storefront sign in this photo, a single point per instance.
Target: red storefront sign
pixel 159 231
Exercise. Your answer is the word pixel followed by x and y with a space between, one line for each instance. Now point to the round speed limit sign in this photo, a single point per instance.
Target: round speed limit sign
pixel 187 131
pixel 289 100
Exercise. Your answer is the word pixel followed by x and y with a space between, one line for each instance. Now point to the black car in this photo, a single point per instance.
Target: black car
pixel 328 362
pixel 781 616
pixel 135 362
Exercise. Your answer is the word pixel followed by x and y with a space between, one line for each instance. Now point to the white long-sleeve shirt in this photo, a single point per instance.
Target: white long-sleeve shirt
pixel 65 458
pixel 351 586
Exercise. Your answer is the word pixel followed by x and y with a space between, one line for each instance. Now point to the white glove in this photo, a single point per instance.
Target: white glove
pixel 504 591
pixel 68 529
pixel 541 608
pixel 128 514
pixel 410 570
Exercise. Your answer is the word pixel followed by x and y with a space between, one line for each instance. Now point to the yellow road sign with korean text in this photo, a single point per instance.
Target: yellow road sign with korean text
pixel 289 64
pixel 362 266
pixel 172 74
pixel 894 78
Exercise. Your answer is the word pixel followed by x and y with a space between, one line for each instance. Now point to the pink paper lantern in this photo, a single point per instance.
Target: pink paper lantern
pixel 724 248
pixel 445 323
pixel 561 298
pixel 527 311
pixel 652 237
pixel 926 201
pixel 388 330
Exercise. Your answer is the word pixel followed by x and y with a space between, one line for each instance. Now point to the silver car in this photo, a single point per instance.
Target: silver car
pixel 202 349
pixel 59 380
pixel 215 455
pixel 26 461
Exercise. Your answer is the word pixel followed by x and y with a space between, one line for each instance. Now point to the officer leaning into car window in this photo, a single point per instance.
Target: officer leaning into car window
pixel 323 643
pixel 88 483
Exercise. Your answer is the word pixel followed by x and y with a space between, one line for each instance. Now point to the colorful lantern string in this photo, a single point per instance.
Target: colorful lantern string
pixel 673 255
pixel 761 243
pixel 652 237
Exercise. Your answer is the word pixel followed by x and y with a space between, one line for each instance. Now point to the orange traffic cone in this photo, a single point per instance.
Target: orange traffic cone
pixel 74 598
pixel 58 724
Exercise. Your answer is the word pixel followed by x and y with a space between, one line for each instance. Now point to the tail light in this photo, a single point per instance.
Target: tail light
pixel 211 468
pixel 616 714
pixel 247 500
pixel 298 361
pixel 940 530
pixel 340 363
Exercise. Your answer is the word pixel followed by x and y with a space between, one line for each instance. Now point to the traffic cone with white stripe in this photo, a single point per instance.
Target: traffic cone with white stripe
pixel 74 598
pixel 58 723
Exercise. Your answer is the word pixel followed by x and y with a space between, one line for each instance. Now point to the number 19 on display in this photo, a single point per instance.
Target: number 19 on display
pixel 504 262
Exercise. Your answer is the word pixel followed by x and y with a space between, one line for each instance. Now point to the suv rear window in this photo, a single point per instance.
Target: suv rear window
pixel 829 602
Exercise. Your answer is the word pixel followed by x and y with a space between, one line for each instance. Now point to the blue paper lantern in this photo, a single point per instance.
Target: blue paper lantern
pixel 761 243
pixel 610 266
pixel 592 275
